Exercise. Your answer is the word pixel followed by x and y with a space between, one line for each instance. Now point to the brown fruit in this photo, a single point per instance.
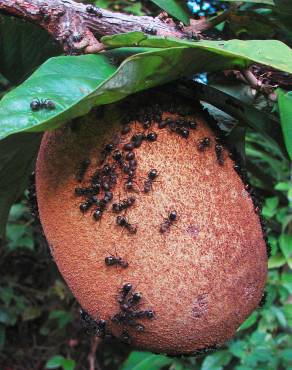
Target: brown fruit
pixel 202 277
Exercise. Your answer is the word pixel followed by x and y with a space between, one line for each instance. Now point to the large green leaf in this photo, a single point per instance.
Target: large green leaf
pixel 174 8
pixel 17 154
pixel 145 361
pixel 65 80
pixel 285 109
pixel 76 84
pixel 272 53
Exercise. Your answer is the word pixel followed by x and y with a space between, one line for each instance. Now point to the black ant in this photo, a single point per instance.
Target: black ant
pixel 85 206
pixel 124 204
pixel 87 191
pixel 149 30
pixel 172 217
pixel 82 169
pixel 106 151
pixel 137 140
pixel 204 143
pixel 219 154
pixel 115 261
pixel 91 9
pixel 263 300
pixel 149 314
pixel 123 222
pixel 127 287
pixel 152 174
pixel 183 132
pixel 38 104
pixel 125 337
pixel 152 136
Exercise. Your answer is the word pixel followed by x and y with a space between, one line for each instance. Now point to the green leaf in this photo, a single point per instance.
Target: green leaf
pixel 268 2
pixel 63 317
pixel 238 53
pixel 286 355
pixel 65 80
pixel 276 261
pixel 216 361
pixel 31 313
pixel 249 321
pixel 285 109
pixel 54 362
pixel 145 361
pixel 68 364
pixel 17 155
pixel 175 9
pixel 270 207
pixel 285 242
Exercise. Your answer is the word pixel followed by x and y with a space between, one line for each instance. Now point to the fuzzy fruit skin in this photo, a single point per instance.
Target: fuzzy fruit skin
pixel 202 278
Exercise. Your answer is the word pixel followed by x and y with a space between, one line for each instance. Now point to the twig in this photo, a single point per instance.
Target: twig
pixel 259 86
pixel 93 365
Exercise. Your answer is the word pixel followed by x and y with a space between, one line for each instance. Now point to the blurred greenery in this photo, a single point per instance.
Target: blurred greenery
pixel 39 318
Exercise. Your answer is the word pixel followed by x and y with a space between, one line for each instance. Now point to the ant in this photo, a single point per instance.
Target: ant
pixel 82 169
pixel 115 261
pixel 38 104
pixel 152 174
pixel 149 314
pixel 172 217
pixel 123 222
pixel 87 204
pixel 127 287
pixel 106 151
pixel 91 9
pixel 204 143
pixel 125 337
pixel 124 204
pixel 219 154
pixel 149 30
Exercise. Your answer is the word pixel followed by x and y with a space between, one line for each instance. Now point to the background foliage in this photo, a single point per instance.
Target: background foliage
pixel 39 318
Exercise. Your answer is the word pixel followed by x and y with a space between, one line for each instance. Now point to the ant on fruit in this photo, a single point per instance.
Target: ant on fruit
pixel 106 152
pixel 115 260
pixel 82 169
pixel 123 205
pixel 172 217
pixel 204 143
pixel 219 154
pixel 151 176
pixel 38 104
pixel 123 222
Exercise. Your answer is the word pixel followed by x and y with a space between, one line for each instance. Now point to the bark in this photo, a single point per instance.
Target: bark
pixel 78 27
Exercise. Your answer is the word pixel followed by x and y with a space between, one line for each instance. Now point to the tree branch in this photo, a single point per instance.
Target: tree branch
pixel 78 27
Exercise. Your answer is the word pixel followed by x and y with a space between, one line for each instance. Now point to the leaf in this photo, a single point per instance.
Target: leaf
pixel 175 9
pixel 285 109
pixel 216 361
pixel 31 313
pixel 63 317
pixel 285 242
pixel 54 362
pixel 68 364
pixel 17 155
pixel 145 361
pixel 276 261
pixel 65 80
pixel 286 355
pixel 238 53
pixel 255 119
pixel 249 321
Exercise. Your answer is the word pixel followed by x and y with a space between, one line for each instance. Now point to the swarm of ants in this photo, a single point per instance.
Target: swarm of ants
pixel 118 162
